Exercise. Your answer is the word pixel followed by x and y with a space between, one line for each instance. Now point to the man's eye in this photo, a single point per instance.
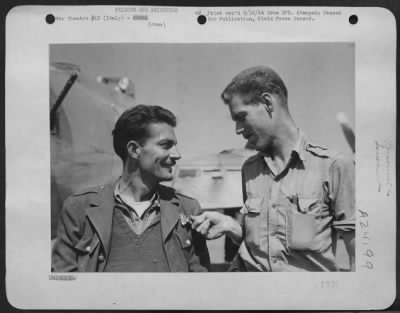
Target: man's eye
pixel 166 145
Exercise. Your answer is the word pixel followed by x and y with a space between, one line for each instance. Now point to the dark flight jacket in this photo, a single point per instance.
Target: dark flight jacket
pixel 84 232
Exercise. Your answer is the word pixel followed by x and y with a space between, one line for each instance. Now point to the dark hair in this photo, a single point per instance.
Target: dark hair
pixel 252 83
pixel 133 123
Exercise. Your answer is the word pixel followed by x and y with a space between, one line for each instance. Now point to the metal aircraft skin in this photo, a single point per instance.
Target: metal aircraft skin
pixel 83 111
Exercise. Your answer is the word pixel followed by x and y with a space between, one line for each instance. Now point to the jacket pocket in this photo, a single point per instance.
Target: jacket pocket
pixel 184 239
pixel 85 248
pixel 185 245
pixel 87 245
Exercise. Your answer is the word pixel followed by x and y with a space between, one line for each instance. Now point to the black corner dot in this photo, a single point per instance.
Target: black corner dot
pixel 201 19
pixel 50 19
pixel 353 19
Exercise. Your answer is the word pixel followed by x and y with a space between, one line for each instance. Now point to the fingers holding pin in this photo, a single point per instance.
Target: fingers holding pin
pixel 202 223
pixel 198 220
pixel 213 225
pixel 204 227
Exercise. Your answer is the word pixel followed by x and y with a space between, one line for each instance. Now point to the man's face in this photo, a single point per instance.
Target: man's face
pixel 159 153
pixel 252 122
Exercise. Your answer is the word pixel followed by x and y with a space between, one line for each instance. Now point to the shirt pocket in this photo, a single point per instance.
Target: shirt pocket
pixel 310 205
pixel 251 209
pixel 302 224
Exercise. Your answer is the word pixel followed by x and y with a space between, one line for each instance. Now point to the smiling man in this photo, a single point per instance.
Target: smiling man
pixel 134 224
pixel 299 198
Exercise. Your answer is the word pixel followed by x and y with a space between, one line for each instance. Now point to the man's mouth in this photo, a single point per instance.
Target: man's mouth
pixel 168 165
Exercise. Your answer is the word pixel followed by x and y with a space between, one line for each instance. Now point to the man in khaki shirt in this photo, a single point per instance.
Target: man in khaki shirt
pixel 298 196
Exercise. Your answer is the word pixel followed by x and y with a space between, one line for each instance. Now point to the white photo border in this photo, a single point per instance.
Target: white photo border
pixel 29 283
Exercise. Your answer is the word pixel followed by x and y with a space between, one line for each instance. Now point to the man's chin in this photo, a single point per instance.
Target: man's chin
pixel 169 178
pixel 166 177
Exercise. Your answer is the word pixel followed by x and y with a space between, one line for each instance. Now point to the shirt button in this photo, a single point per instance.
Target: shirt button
pixel 87 248
pixel 101 258
pixel 274 260
pixel 188 242
pixel 155 260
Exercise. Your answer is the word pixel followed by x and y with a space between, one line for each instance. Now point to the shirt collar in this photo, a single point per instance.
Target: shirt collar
pixel 298 151
pixel 154 201
pixel 300 146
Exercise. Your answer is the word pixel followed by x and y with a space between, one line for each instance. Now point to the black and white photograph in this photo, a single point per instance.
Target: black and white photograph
pixel 291 207
pixel 200 158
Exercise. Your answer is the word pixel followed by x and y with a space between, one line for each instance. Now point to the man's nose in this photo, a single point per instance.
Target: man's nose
pixel 239 128
pixel 175 154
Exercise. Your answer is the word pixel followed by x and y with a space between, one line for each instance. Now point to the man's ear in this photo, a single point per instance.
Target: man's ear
pixel 133 149
pixel 267 100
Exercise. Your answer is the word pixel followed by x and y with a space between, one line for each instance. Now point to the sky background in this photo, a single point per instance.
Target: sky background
pixel 189 78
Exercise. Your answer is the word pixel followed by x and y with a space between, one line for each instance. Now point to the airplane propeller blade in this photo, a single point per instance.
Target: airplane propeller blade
pixel 347 130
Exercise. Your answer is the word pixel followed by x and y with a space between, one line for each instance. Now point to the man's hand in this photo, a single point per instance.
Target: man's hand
pixel 213 225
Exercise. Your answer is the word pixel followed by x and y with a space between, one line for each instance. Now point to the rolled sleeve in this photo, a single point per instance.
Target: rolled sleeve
pixel 342 193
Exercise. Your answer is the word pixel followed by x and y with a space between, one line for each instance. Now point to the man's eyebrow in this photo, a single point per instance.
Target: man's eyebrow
pixel 167 140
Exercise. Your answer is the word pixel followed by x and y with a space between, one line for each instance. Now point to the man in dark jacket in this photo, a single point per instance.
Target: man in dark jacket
pixel 133 224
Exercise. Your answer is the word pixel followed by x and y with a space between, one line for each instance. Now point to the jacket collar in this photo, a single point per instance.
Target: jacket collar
pixel 101 212
pixel 169 210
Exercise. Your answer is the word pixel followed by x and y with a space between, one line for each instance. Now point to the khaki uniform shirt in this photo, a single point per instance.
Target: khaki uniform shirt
pixel 291 219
